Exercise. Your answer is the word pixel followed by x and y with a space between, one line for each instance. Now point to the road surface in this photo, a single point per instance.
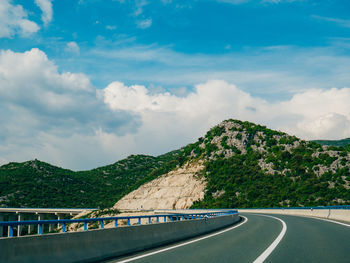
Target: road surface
pixel 260 238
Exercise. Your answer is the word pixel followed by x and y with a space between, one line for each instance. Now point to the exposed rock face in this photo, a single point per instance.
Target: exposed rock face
pixel 176 190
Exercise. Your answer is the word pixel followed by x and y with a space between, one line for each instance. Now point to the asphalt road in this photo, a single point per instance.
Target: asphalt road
pixel 261 239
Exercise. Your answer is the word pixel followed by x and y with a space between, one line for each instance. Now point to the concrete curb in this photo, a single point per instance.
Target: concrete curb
pixel 97 245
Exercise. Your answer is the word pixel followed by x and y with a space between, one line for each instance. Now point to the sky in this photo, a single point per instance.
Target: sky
pixel 84 83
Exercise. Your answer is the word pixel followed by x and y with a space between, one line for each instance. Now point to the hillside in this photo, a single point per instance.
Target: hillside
pixel 248 165
pixel 38 184
pixel 177 189
pixel 238 164
pixel 339 143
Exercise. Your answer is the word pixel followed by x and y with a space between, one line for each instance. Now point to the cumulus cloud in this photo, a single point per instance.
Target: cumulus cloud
pixel 311 114
pixel 61 118
pixel 14 20
pixel 41 107
pixel 72 47
pixel 46 8
pixel 330 125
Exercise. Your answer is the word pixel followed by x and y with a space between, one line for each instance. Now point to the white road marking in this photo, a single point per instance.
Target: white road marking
pixel 183 244
pixel 315 217
pixel 274 244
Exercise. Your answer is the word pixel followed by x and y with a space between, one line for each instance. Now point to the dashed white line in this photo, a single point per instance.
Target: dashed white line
pixel 274 244
pixel 183 244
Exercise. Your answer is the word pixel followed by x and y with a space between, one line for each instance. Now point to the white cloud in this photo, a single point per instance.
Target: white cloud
pixel 139 5
pixel 72 47
pixel 340 22
pixel 42 109
pixel 330 125
pixel 46 9
pixel 311 115
pixel 61 118
pixel 13 20
pixel 109 27
pixel 144 23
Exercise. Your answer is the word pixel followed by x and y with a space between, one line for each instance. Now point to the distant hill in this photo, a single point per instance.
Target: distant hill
pixel 39 184
pixel 339 143
pixel 244 165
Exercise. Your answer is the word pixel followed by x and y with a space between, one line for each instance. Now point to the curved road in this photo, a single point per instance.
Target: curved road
pixel 260 238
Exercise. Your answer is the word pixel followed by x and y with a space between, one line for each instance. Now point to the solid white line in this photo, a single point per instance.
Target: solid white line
pixel 274 244
pixel 183 244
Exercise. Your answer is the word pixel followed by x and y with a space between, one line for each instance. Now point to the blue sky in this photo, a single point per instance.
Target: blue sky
pixel 144 68
pixel 236 29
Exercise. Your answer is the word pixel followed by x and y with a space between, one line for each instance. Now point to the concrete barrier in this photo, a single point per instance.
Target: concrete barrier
pixel 335 214
pixel 97 245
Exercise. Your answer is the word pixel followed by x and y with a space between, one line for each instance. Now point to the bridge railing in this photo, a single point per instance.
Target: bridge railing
pixel 159 218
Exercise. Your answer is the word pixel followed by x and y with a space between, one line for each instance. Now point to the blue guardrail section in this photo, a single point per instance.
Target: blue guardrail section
pixel 161 218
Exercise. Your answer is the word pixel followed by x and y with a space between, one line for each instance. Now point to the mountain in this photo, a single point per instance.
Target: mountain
pixel 39 184
pixel 236 164
pixel 249 165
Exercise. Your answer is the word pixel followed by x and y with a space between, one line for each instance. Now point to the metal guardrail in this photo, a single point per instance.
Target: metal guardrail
pixel 64 222
pixel 32 210
pixel 303 207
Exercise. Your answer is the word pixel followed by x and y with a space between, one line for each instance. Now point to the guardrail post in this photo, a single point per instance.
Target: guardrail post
pixel 139 220
pixel 10 228
pixel 10 234
pixel 116 223
pixel 51 226
pixel 128 221
pixel 59 217
pixel 101 224
pixel 40 229
pixel 85 226
pixel 149 220
pixel 1 227
pixel 157 219
pixel 19 227
pixel 30 229
pixel 63 227
pixel 164 218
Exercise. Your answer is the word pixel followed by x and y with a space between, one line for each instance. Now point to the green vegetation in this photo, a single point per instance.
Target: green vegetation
pixel 39 184
pixel 339 143
pixel 246 165
pixel 296 172
pixel 246 185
